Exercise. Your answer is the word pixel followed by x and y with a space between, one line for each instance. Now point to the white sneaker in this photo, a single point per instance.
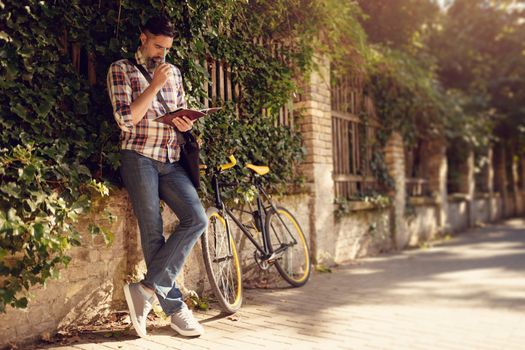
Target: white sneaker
pixel 139 304
pixel 185 324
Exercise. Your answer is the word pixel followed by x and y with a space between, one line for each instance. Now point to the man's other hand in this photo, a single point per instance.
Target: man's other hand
pixel 183 123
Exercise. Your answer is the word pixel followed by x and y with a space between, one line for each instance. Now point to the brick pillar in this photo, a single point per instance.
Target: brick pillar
pixel 521 183
pixel 316 129
pixel 500 175
pixel 518 203
pixel 522 177
pixel 490 171
pixel 467 184
pixel 490 181
pixel 395 163
pixel 434 168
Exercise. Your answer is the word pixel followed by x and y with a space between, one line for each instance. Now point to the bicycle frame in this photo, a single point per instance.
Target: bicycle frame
pixel 264 250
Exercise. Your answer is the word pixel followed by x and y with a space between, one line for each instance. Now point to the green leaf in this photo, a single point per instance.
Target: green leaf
pixel 11 188
pixel 29 173
pixel 322 268
pixel 19 110
pixel 43 108
pixel 21 303
pixel 38 231
pixel 5 37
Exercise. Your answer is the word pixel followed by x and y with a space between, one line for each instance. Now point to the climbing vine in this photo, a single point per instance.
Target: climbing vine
pixel 59 143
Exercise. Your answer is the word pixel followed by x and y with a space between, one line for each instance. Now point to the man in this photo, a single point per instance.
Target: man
pixel 151 172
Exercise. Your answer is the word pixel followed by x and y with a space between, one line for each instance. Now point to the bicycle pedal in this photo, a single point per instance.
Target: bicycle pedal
pixel 262 263
pixel 271 258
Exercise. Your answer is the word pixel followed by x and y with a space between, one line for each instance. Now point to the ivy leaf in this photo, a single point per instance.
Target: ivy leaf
pixel 5 37
pixel 31 204
pixel 94 229
pixel 43 107
pixel 26 52
pixel 11 189
pixel 38 231
pixel 19 110
pixel 114 45
pixel 28 173
pixel 21 303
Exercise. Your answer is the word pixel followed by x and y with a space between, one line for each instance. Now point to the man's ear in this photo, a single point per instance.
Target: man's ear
pixel 143 38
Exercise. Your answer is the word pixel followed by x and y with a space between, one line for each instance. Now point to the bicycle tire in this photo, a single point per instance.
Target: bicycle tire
pixel 223 269
pixel 277 236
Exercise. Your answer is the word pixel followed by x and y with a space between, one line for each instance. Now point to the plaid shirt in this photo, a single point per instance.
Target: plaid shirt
pixel 149 138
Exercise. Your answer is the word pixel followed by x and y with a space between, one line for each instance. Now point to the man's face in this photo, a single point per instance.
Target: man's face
pixel 153 47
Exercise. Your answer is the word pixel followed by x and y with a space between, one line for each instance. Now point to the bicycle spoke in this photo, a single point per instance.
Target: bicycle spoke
pixel 225 271
pixel 222 264
pixel 289 244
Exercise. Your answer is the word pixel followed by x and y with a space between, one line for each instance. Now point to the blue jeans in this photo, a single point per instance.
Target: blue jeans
pixel 148 181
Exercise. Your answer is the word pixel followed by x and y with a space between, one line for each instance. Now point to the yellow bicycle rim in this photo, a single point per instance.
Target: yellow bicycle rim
pixel 305 247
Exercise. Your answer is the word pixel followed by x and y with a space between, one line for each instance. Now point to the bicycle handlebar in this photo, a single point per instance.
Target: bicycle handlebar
pixel 229 165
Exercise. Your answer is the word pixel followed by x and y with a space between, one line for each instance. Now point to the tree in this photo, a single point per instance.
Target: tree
pixel 479 46
pixel 397 23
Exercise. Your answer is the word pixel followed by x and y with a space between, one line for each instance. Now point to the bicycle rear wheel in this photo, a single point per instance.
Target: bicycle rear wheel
pixel 288 243
pixel 222 262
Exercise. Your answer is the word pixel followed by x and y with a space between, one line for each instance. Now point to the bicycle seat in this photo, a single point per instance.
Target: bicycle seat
pixel 259 169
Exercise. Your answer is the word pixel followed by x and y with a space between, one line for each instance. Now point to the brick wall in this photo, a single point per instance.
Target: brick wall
pixel 434 168
pixel 395 162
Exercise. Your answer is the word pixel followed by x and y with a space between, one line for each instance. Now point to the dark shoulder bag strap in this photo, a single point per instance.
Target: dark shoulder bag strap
pixel 148 78
pixel 181 137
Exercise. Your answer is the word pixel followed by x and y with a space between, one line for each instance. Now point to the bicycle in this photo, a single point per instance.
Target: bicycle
pixel 284 244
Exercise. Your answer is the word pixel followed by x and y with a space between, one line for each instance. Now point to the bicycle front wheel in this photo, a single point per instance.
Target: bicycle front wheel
pixel 222 262
pixel 288 244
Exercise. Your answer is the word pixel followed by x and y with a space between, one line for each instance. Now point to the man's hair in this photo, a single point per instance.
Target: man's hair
pixel 159 25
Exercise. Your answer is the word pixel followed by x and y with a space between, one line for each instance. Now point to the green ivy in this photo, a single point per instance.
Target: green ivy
pixel 378 200
pixel 251 141
pixel 42 197
pixel 59 142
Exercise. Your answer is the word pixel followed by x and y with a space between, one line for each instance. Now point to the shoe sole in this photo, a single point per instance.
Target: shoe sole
pixel 186 333
pixel 132 313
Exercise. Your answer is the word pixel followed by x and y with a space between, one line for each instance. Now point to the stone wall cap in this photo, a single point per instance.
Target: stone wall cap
pixel 363 205
pixel 422 200
pixel 457 197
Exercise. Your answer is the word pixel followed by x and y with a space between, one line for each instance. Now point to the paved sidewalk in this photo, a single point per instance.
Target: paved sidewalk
pixel 467 293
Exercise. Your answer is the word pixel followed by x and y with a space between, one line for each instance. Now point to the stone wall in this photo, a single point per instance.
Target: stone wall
pixel 482 210
pixel 364 232
pixel 458 214
pixel 422 221
pixel 89 288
